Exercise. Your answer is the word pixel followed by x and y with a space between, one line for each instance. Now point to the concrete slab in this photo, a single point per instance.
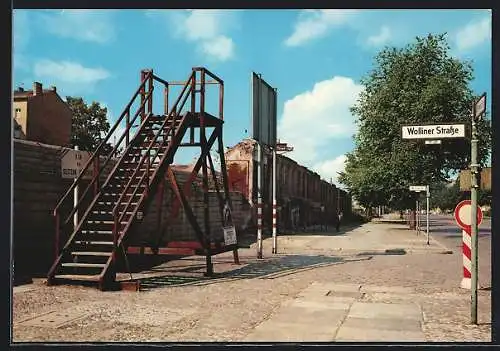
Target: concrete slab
pixel 383 324
pixel 337 287
pixel 320 297
pixel 352 294
pixel 290 332
pixel 361 334
pixel 309 318
pixel 54 319
pixel 321 304
pixel 386 289
pixel 385 310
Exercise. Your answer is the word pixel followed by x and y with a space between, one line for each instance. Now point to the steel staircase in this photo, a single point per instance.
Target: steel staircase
pixel 111 209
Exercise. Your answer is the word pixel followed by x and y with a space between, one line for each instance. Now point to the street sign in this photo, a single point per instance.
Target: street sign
pixel 485 182
pixel 72 163
pixel 480 106
pixel 462 215
pixel 433 142
pixel 229 235
pixel 418 188
pixel 433 131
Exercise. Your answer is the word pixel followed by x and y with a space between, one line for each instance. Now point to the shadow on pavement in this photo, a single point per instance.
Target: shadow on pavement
pixel 267 269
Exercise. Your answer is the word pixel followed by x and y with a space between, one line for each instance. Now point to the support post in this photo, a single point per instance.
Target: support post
pixel 204 150
pixel 75 198
pixel 427 199
pixel 259 201
pixel 275 239
pixel 473 198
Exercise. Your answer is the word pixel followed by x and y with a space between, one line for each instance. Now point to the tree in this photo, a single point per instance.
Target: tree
pixel 418 84
pixel 89 124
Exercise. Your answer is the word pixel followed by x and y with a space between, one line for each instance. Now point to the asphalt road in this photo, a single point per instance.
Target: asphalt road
pixel 444 229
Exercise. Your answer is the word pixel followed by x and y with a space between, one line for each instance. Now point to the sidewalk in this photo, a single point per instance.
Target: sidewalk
pixel 344 312
pixel 414 310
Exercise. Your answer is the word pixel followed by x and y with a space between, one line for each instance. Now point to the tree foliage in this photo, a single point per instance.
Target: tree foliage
pixel 447 197
pixel 89 124
pixel 418 84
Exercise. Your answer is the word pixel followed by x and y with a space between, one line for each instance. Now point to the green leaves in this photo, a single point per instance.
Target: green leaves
pixel 418 84
pixel 89 123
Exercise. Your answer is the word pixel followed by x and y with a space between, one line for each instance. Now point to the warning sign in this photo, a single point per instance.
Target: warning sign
pixel 72 163
pixel 229 235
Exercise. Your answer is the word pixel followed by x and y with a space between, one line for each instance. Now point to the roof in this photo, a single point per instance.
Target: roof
pixel 29 93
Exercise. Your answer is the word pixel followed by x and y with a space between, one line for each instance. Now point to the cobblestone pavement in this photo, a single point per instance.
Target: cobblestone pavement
pixel 230 306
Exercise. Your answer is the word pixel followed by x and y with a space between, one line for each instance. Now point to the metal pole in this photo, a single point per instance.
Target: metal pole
pixel 275 239
pixel 75 198
pixel 416 216
pixel 427 198
pixel 473 199
pixel 259 202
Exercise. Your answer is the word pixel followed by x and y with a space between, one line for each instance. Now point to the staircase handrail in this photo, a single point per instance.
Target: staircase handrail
pixel 101 145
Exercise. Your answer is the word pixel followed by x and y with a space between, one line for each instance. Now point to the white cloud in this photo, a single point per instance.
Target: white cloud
pixel 316 118
pixel 221 47
pixel 85 25
pixel 473 34
pixel 69 72
pixel 381 38
pixel 69 77
pixel 312 24
pixel 208 29
pixel 329 169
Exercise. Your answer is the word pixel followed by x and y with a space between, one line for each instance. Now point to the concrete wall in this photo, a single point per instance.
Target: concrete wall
pixel 38 187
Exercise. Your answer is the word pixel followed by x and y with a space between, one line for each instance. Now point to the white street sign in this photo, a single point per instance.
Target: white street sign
pixel 229 235
pixel 72 163
pixel 433 142
pixel 418 187
pixel 480 106
pixel 433 131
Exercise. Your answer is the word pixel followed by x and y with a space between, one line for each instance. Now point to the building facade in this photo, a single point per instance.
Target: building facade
pixel 41 115
pixel 303 198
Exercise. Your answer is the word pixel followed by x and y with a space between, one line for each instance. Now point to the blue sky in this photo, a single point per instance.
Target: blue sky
pixel 315 58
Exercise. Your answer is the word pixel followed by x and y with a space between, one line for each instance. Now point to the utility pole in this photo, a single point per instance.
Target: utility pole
pixel 75 190
pixel 478 108
pixel 259 200
pixel 428 194
pixel 275 239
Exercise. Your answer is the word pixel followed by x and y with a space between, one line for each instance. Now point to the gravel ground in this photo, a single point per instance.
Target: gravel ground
pixel 228 309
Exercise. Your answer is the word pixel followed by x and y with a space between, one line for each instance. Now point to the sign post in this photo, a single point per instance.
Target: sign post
pixel 72 163
pixel 462 216
pixel 428 195
pixel 75 193
pixel 478 109
pixel 418 189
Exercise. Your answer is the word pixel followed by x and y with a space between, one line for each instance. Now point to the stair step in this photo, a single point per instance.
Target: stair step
pixel 85 277
pixel 90 242
pixel 105 222
pixel 109 212
pixel 119 194
pixel 135 162
pixel 83 265
pixel 97 232
pixel 124 185
pixel 91 253
pixel 108 203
